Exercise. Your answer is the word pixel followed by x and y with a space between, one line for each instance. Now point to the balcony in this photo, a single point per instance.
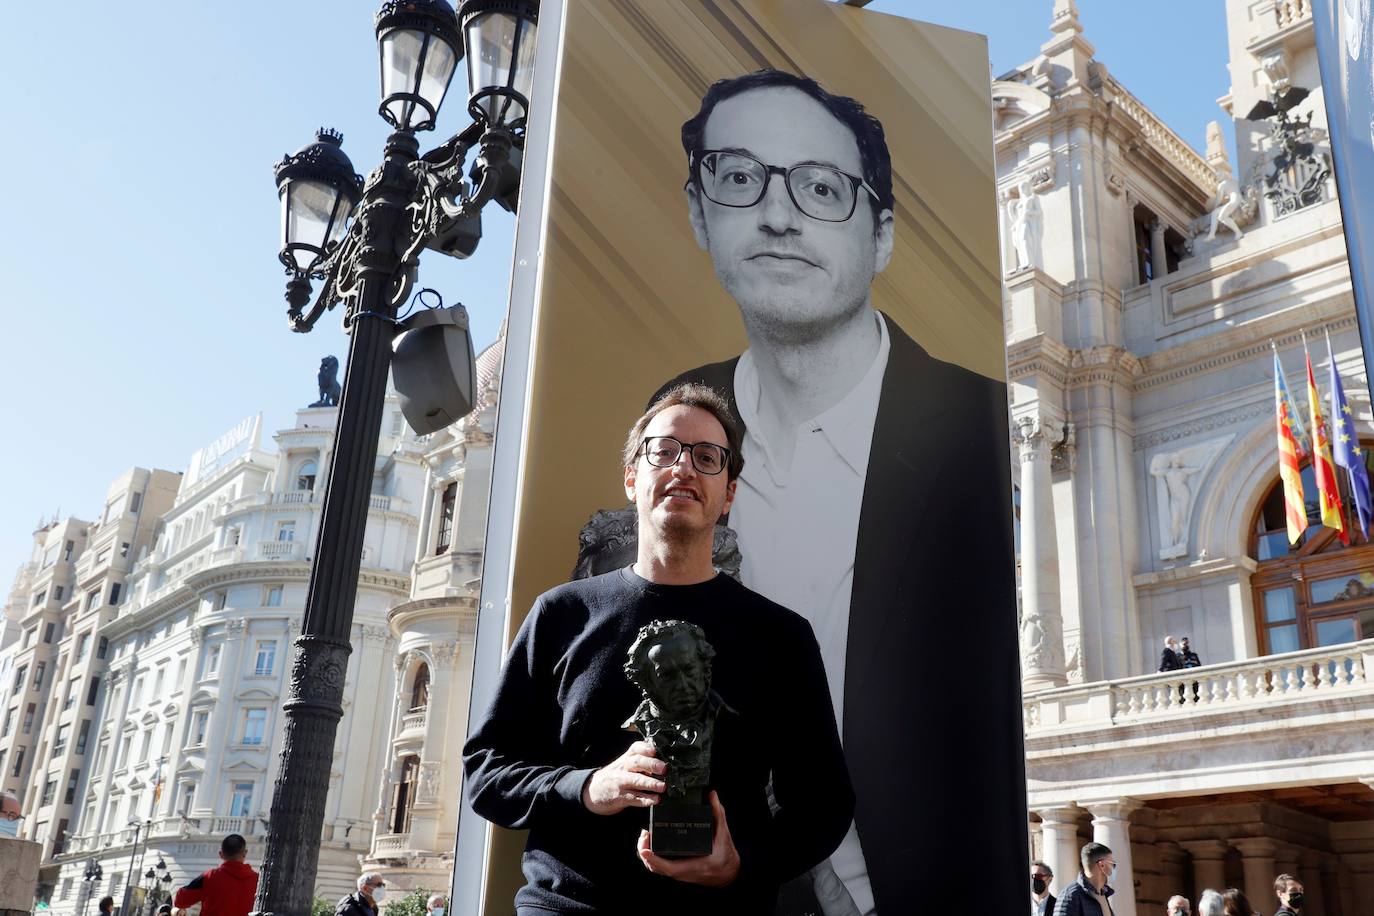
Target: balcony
pixel 414 721
pixel 278 550
pixel 244 826
pixel 1217 728
pixel 391 844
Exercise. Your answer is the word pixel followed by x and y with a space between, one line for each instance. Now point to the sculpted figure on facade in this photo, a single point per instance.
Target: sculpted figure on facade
pixel 1177 490
pixel 1027 224
pixel 1041 642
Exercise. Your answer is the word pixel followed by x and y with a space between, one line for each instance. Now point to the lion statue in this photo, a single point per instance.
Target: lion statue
pixel 330 389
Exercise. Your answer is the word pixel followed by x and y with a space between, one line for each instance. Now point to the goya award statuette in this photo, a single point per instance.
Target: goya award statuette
pixel 670 663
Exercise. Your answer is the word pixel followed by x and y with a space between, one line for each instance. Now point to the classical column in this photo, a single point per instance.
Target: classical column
pixel 1310 873
pixel 1361 881
pixel 1257 858
pixel 1209 864
pixel 1159 261
pixel 1172 862
pixel 1042 626
pixel 1112 828
pixel 1059 837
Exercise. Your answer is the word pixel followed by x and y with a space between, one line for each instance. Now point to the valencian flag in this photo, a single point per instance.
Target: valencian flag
pixel 1322 466
pixel 1289 426
pixel 1345 447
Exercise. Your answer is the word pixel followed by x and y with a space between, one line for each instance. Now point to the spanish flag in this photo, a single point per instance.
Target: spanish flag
pixel 1290 473
pixel 1323 467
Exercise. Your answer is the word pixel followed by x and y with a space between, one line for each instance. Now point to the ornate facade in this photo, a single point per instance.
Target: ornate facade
pixel 1140 313
pixel 415 821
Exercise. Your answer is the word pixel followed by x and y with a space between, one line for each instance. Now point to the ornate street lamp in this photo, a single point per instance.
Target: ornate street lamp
pixel 363 245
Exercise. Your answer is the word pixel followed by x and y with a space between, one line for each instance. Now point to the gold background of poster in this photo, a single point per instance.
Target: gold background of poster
pixel 627 300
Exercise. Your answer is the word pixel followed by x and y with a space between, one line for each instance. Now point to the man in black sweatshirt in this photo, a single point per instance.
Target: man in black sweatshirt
pixel 552 754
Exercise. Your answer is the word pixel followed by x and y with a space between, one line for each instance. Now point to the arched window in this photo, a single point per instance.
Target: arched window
pixel 305 477
pixel 419 692
pixel 1318 592
pixel 404 797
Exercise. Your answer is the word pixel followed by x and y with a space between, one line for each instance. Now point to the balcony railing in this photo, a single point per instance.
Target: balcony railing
pixel 1311 675
pixel 391 843
pixel 277 550
pixel 1287 12
pixel 244 826
pixel 413 720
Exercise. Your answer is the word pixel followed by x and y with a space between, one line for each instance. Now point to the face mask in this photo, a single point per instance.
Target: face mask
pixel 378 894
pixel 1295 899
pixel 437 911
pixel 1038 885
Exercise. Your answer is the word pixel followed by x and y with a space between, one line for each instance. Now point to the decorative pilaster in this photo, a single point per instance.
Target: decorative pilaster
pixel 1311 866
pixel 1059 839
pixel 1257 860
pixel 1209 864
pixel 1112 828
pixel 1042 624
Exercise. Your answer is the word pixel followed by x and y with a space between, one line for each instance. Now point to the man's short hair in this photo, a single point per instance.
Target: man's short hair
pixel 1211 904
pixel 369 877
pixel 1168 904
pixel 1281 882
pixel 690 394
pixel 105 902
pixel 232 845
pixel 653 633
pixel 1043 867
pixel 874 159
pixel 1091 854
pixel 434 897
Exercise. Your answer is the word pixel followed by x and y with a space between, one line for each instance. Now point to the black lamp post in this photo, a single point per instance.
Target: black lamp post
pixel 93 876
pixel 363 243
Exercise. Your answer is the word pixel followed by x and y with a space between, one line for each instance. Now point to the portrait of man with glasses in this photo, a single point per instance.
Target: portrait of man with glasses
pixel 874 473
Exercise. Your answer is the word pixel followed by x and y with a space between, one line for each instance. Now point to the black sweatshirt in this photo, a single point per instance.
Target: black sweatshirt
pixel 557 717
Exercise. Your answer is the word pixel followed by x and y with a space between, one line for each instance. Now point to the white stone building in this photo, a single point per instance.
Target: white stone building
pixel 1143 403
pixel 416 816
pixel 199 654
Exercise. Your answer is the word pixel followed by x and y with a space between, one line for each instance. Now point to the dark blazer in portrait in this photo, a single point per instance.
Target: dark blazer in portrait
pixel 932 700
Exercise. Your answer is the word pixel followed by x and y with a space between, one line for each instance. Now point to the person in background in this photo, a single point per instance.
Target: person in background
pixel 105 906
pixel 1186 656
pixel 1178 906
pixel 227 889
pixel 9 814
pixel 434 906
pixel 1234 903
pixel 1090 894
pixel 1169 659
pixel 1290 893
pixel 1211 904
pixel 366 900
pixel 1042 901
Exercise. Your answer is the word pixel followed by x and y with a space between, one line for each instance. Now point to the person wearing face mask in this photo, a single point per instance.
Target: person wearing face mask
pixel 434 906
pixel 1177 906
pixel 1090 894
pixel 366 900
pixel 1289 891
pixel 1042 901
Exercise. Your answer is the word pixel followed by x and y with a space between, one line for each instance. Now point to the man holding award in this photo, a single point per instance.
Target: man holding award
pixel 666 686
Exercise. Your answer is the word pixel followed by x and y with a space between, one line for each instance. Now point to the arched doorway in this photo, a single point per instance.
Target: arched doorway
pixel 1319 592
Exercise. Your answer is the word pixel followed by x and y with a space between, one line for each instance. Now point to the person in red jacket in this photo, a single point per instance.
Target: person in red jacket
pixel 226 890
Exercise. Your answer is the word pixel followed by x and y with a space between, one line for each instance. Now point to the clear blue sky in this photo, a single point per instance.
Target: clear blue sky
pixel 143 302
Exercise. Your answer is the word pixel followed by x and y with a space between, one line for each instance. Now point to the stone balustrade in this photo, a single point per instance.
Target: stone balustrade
pixel 1312 675
pixel 1289 12
pixel 277 550
pixel 391 844
pixel 244 826
pixel 413 720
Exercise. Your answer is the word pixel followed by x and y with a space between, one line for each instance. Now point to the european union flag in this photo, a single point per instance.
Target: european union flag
pixel 1345 449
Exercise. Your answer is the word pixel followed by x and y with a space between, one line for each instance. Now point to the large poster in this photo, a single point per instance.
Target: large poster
pixel 818 241
pixel 1345 47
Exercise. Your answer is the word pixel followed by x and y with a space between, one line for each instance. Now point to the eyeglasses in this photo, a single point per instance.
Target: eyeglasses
pixel 1043 877
pixel 818 191
pixel 664 452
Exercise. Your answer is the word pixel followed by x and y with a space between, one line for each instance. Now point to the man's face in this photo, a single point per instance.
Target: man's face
pixel 1044 876
pixel 793 276
pixel 1178 908
pixel 678 501
pixel 1105 867
pixel 1184 645
pixel 677 677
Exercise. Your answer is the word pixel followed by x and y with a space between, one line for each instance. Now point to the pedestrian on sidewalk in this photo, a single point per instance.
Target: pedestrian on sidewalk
pixel 366 901
pixel 228 889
